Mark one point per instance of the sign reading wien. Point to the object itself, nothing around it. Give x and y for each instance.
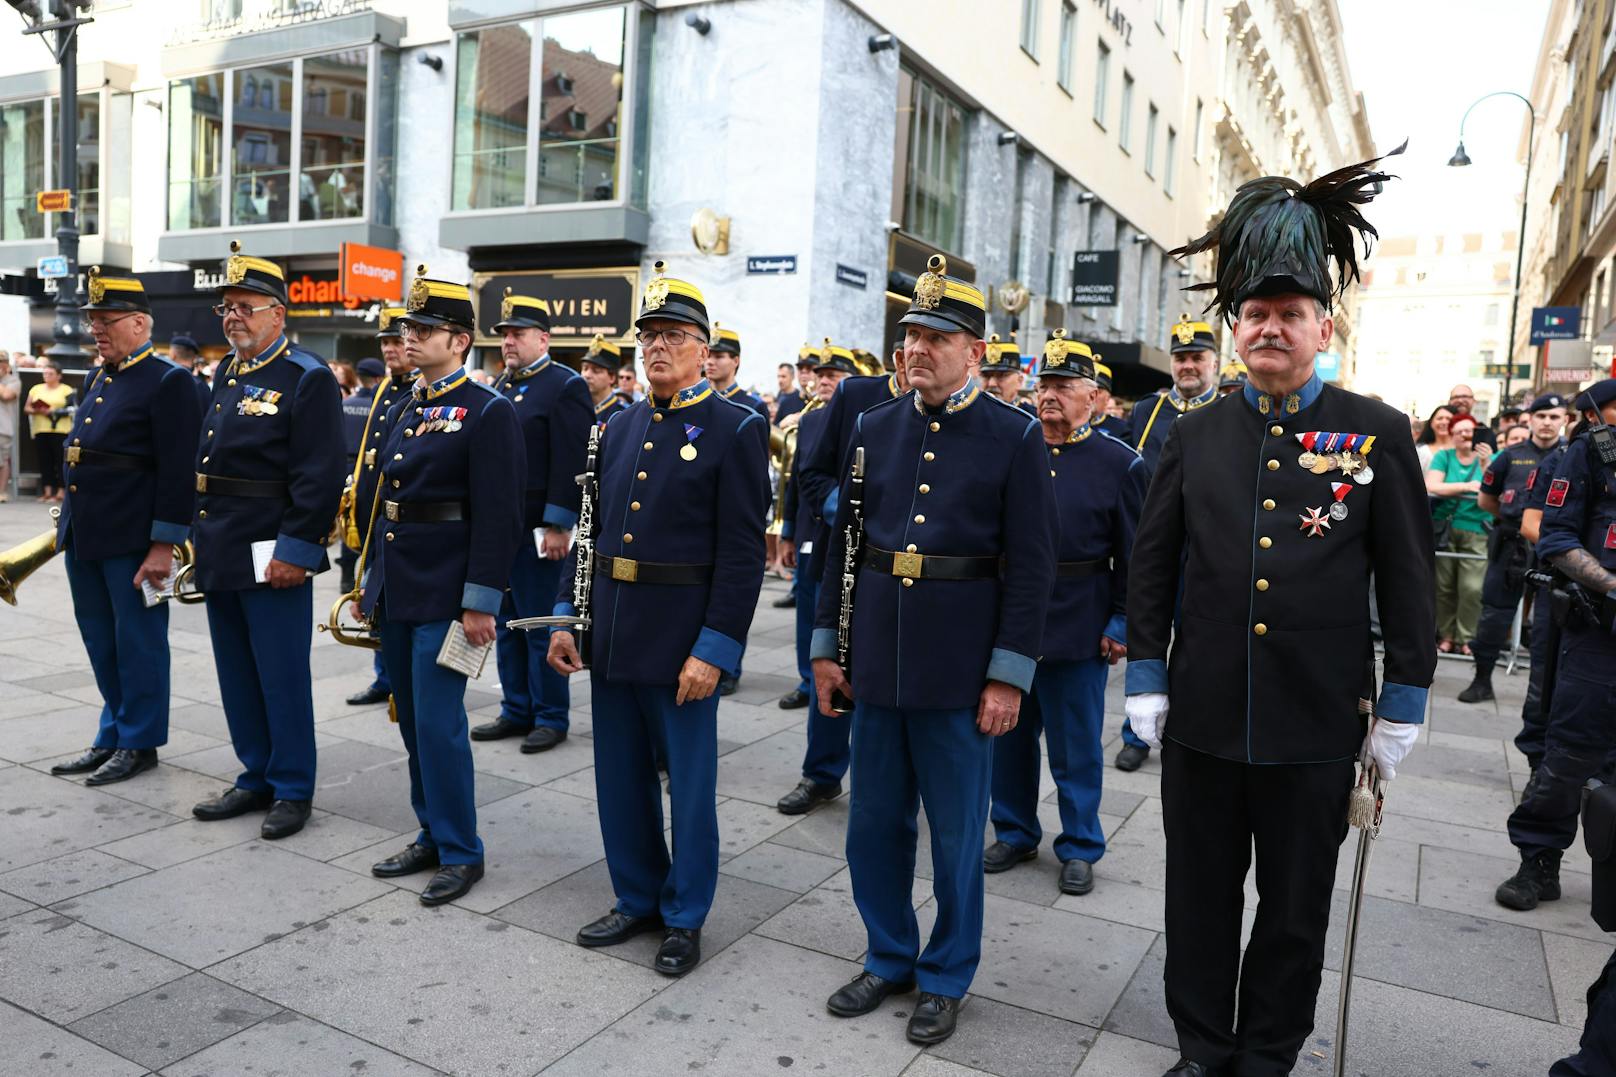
(582, 302)
(1094, 278)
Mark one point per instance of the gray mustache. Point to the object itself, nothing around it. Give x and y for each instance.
(1272, 344)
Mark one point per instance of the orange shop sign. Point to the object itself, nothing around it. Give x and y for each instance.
(371, 272)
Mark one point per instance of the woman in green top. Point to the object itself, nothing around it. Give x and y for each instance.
(1453, 479)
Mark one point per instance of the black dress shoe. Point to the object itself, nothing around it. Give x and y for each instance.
(785, 603)
(542, 739)
(1187, 1068)
(794, 700)
(808, 793)
(233, 802)
(415, 857)
(373, 694)
(285, 818)
(727, 685)
(864, 993)
(1077, 877)
(499, 729)
(451, 881)
(934, 1019)
(1002, 856)
(615, 927)
(680, 951)
(1132, 758)
(90, 760)
(122, 765)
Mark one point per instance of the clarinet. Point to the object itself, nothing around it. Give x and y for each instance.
(852, 549)
(583, 576)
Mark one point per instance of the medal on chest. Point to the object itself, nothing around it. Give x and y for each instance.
(447, 419)
(688, 450)
(256, 400)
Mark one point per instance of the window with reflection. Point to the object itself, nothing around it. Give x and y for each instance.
(493, 70)
(22, 169)
(581, 106)
(89, 160)
(196, 151)
(929, 162)
(332, 185)
(261, 146)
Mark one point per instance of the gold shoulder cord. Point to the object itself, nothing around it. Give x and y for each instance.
(359, 464)
(1160, 399)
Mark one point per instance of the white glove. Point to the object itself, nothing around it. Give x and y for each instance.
(1147, 714)
(1389, 743)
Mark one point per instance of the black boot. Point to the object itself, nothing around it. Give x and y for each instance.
(1480, 689)
(1538, 880)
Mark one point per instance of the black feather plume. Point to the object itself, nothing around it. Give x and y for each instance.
(1281, 236)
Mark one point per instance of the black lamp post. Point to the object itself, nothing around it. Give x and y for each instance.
(1459, 160)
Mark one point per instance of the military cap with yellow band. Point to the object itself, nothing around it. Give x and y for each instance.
(835, 357)
(116, 293)
(1232, 376)
(253, 274)
(671, 299)
(946, 304)
(388, 325)
(439, 302)
(603, 353)
(1191, 336)
(1102, 373)
(1066, 358)
(725, 340)
(1001, 355)
(807, 355)
(522, 312)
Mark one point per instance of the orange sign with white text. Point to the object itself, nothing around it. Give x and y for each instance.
(371, 272)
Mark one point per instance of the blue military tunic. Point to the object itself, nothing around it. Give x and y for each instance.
(736, 395)
(1117, 428)
(803, 517)
(1155, 415)
(608, 407)
(825, 467)
(787, 403)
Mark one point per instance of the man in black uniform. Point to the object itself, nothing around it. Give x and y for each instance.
(1269, 512)
(1503, 493)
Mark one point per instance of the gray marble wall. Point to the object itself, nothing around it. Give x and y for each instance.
(990, 186)
(421, 195)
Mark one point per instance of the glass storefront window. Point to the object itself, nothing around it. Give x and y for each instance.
(493, 70)
(195, 151)
(581, 106)
(930, 161)
(89, 163)
(261, 145)
(383, 150)
(332, 185)
(22, 169)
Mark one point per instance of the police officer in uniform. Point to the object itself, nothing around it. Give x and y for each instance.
(1503, 493)
(1597, 1050)
(1195, 384)
(723, 363)
(1545, 633)
(955, 484)
(1268, 513)
(678, 566)
(804, 534)
(1002, 375)
(130, 490)
(1103, 419)
(1099, 488)
(598, 368)
(268, 480)
(553, 406)
(357, 409)
(1578, 538)
(440, 553)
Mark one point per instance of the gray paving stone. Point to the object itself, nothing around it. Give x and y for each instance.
(221, 763)
(764, 770)
(1133, 853)
(740, 1017)
(62, 969)
(1464, 882)
(933, 1066)
(511, 1001)
(11, 906)
(20, 703)
(205, 718)
(178, 1019)
(50, 881)
(170, 788)
(287, 1045)
(51, 682)
(743, 824)
(747, 723)
(37, 1048)
(47, 817)
(1015, 1042)
(1394, 868)
(531, 839)
(49, 734)
(824, 919)
(220, 904)
(325, 837)
(1574, 964)
(380, 795)
(1489, 769)
(783, 866)
(822, 831)
(1118, 901)
(1114, 1055)
(504, 759)
(1141, 1012)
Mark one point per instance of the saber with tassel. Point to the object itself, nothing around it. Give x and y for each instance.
(1364, 809)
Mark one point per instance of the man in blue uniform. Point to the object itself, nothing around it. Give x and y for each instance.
(723, 364)
(130, 491)
(1578, 538)
(441, 549)
(268, 480)
(1099, 487)
(1232, 378)
(357, 409)
(1101, 418)
(1268, 515)
(1002, 375)
(1504, 494)
(598, 368)
(553, 407)
(678, 563)
(803, 537)
(944, 642)
(789, 401)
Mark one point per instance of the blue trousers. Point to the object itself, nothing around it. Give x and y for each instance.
(1128, 737)
(128, 648)
(261, 643)
(534, 693)
(906, 758)
(1067, 704)
(645, 878)
(827, 756)
(431, 704)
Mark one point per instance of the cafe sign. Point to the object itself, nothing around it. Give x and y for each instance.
(582, 302)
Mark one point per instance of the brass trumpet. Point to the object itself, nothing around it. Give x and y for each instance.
(24, 559)
(361, 634)
(185, 589)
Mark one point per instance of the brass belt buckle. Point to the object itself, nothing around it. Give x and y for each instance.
(907, 565)
(73, 454)
(390, 510)
(201, 483)
(625, 570)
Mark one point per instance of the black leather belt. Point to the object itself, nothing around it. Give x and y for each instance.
(916, 566)
(1069, 569)
(228, 487)
(627, 570)
(425, 512)
(122, 461)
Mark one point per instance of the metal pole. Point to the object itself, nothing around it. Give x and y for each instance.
(69, 335)
(1520, 254)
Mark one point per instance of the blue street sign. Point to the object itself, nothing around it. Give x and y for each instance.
(53, 267)
(1555, 323)
(1327, 365)
(774, 263)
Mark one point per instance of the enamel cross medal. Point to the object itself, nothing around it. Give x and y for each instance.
(1315, 522)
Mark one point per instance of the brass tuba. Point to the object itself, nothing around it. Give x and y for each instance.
(22, 560)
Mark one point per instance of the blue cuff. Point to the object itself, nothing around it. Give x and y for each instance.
(1116, 629)
(564, 609)
(1401, 703)
(822, 644)
(1145, 675)
(556, 516)
(786, 530)
(174, 534)
(482, 599)
(828, 513)
(719, 650)
(1011, 668)
(294, 551)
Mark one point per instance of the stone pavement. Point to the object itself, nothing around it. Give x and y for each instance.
(134, 939)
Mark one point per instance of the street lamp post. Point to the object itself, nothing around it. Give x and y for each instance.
(1461, 159)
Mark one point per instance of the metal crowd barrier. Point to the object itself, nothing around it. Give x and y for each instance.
(1514, 651)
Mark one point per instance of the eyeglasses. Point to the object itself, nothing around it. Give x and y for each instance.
(93, 322)
(241, 310)
(418, 332)
(670, 337)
